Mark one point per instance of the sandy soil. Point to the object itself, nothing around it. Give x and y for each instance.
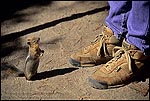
(64, 28)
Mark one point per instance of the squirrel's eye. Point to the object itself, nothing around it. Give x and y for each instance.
(34, 41)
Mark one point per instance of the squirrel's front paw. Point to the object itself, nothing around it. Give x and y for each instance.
(42, 52)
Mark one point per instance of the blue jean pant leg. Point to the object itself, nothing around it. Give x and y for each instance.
(117, 18)
(138, 26)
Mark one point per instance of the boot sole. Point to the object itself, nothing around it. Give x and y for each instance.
(78, 64)
(96, 84)
(74, 62)
(102, 85)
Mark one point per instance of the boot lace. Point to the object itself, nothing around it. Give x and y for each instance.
(101, 38)
(103, 44)
(117, 55)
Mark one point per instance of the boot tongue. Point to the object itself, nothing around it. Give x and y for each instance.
(114, 40)
(134, 52)
(128, 46)
(108, 31)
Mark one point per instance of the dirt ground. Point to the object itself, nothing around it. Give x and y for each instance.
(64, 28)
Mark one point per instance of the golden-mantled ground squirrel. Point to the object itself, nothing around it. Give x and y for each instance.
(33, 58)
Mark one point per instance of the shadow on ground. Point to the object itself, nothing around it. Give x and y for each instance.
(9, 70)
(10, 7)
(11, 42)
(52, 73)
(11, 46)
(15, 35)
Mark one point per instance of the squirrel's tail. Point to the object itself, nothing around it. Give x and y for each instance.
(9, 70)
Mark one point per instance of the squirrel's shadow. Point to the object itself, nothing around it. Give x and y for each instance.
(51, 73)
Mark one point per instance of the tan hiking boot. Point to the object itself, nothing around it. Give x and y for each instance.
(100, 51)
(128, 64)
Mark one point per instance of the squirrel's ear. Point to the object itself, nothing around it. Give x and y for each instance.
(28, 39)
(28, 43)
(38, 39)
